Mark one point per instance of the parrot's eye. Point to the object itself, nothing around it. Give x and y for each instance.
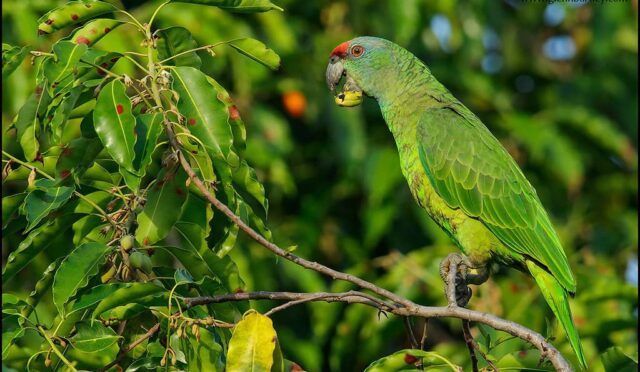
(357, 51)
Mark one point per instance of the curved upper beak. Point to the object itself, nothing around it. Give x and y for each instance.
(335, 72)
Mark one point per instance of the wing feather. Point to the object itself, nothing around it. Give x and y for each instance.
(471, 170)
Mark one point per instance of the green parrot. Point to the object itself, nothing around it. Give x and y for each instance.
(457, 170)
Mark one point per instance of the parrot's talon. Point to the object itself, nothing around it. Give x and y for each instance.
(461, 292)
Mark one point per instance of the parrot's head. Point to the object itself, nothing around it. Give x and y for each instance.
(368, 65)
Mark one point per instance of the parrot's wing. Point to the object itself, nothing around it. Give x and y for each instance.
(470, 170)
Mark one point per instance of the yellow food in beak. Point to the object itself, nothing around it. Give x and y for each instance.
(349, 98)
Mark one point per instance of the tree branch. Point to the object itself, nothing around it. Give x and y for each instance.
(152, 331)
(401, 306)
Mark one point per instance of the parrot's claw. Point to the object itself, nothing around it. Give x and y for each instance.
(462, 293)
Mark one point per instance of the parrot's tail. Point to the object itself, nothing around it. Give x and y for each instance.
(556, 297)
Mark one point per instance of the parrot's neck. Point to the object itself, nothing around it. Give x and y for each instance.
(403, 107)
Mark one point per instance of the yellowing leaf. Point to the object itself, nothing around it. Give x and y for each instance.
(252, 344)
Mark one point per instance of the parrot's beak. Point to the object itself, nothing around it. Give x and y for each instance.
(335, 71)
(351, 94)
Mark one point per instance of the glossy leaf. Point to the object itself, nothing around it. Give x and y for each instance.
(84, 230)
(71, 13)
(237, 6)
(11, 330)
(235, 121)
(114, 123)
(76, 270)
(200, 261)
(148, 129)
(164, 198)
(206, 118)
(122, 296)
(131, 179)
(77, 157)
(12, 57)
(93, 31)
(95, 295)
(205, 352)
(406, 360)
(257, 51)
(177, 40)
(92, 337)
(46, 198)
(61, 113)
(35, 242)
(27, 123)
(615, 360)
(252, 344)
(42, 285)
(246, 179)
(88, 68)
(10, 206)
(61, 70)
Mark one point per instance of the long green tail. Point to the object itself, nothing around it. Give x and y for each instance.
(556, 297)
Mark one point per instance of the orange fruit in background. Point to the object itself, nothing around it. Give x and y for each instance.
(294, 103)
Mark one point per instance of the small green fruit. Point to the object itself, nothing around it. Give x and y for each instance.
(126, 243)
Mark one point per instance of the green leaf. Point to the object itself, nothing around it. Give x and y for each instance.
(95, 295)
(42, 286)
(84, 230)
(27, 122)
(12, 57)
(11, 330)
(405, 360)
(206, 118)
(252, 345)
(45, 199)
(200, 261)
(122, 296)
(237, 6)
(76, 270)
(115, 125)
(88, 71)
(71, 13)
(38, 239)
(257, 51)
(148, 129)
(61, 70)
(164, 199)
(235, 121)
(77, 157)
(62, 111)
(615, 360)
(246, 179)
(92, 337)
(131, 179)
(93, 31)
(10, 205)
(176, 40)
(205, 353)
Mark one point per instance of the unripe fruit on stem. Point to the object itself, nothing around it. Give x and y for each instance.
(141, 261)
(126, 242)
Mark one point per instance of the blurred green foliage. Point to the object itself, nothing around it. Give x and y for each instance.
(556, 83)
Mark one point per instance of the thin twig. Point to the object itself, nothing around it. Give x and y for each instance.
(131, 346)
(412, 337)
(423, 341)
(468, 339)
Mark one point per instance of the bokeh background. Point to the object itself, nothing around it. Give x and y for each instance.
(556, 82)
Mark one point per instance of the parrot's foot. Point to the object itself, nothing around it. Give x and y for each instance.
(454, 272)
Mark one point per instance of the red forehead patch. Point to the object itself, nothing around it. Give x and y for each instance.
(340, 50)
